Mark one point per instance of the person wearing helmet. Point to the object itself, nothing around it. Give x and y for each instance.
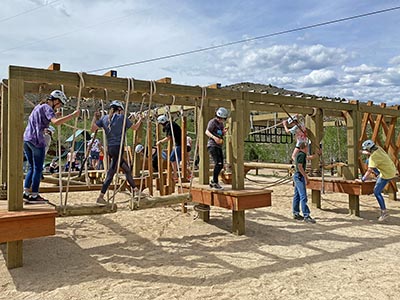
(95, 146)
(35, 143)
(300, 180)
(112, 124)
(380, 160)
(299, 131)
(173, 132)
(216, 131)
(154, 155)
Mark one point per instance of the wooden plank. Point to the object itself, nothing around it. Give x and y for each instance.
(85, 209)
(350, 187)
(26, 224)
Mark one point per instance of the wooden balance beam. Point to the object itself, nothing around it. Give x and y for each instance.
(236, 200)
(353, 188)
(160, 201)
(16, 226)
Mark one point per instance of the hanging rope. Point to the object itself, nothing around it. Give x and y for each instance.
(121, 146)
(203, 97)
(81, 86)
(167, 108)
(60, 182)
(153, 90)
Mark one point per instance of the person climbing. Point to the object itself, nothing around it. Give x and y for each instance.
(299, 130)
(112, 124)
(379, 159)
(216, 131)
(35, 143)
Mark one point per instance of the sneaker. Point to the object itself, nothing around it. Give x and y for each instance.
(36, 200)
(26, 196)
(215, 185)
(309, 220)
(383, 217)
(298, 217)
(100, 201)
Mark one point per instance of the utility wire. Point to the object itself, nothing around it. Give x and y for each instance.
(246, 40)
(67, 33)
(27, 11)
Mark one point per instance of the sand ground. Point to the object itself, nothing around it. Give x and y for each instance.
(162, 253)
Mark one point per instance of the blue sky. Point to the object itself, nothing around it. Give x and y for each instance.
(356, 59)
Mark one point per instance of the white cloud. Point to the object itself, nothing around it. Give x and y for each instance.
(361, 69)
(319, 78)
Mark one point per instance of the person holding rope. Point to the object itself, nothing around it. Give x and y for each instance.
(216, 131)
(300, 179)
(35, 143)
(380, 160)
(299, 130)
(172, 129)
(112, 124)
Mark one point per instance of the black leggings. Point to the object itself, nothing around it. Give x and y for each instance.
(113, 153)
(218, 157)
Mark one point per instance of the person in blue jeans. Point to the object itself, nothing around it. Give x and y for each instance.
(300, 179)
(35, 144)
(380, 160)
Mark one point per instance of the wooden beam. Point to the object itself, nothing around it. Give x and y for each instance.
(161, 201)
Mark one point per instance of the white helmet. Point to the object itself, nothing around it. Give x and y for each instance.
(116, 104)
(162, 119)
(139, 148)
(292, 119)
(368, 145)
(222, 113)
(57, 94)
(52, 129)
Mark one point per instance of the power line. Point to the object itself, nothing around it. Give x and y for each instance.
(246, 40)
(27, 11)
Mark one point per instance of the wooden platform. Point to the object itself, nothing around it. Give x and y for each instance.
(236, 200)
(26, 224)
(339, 185)
(352, 188)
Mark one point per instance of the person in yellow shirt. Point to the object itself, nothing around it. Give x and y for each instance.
(379, 159)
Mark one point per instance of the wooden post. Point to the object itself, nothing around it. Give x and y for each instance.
(54, 67)
(238, 222)
(4, 134)
(315, 126)
(15, 176)
(239, 115)
(353, 132)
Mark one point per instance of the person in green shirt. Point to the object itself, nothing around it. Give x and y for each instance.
(300, 179)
